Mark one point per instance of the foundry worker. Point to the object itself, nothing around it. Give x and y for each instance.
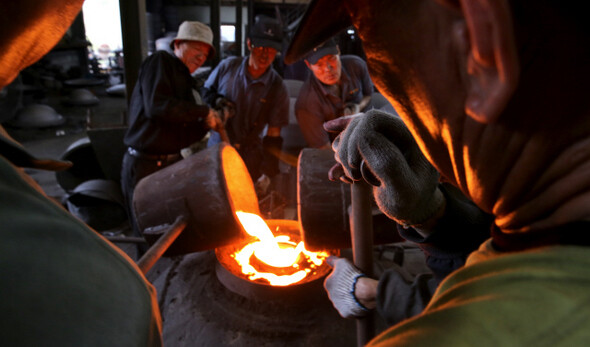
(61, 282)
(166, 113)
(339, 85)
(493, 93)
(401, 294)
(260, 99)
(434, 215)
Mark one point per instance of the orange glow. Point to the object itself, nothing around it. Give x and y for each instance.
(240, 189)
(281, 254)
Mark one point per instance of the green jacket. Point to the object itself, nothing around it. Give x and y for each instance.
(539, 297)
(61, 283)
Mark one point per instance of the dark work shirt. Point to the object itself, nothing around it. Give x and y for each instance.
(259, 102)
(315, 105)
(163, 115)
(462, 229)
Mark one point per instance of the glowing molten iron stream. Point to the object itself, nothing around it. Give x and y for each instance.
(276, 251)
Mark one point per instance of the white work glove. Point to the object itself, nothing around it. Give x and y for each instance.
(341, 285)
(261, 185)
(351, 108)
(226, 107)
(378, 148)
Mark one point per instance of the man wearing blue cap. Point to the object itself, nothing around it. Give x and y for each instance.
(260, 99)
(339, 86)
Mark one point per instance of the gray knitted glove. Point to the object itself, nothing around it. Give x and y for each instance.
(341, 284)
(378, 147)
(226, 107)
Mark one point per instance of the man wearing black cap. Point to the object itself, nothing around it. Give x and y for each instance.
(339, 86)
(260, 99)
(494, 94)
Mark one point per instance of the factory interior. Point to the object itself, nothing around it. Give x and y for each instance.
(294, 173)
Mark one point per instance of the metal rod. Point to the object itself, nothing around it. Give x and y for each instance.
(250, 4)
(215, 23)
(157, 249)
(134, 35)
(361, 230)
(223, 135)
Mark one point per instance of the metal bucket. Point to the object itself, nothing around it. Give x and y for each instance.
(323, 206)
(85, 165)
(207, 188)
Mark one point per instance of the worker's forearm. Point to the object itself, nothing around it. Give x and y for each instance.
(366, 292)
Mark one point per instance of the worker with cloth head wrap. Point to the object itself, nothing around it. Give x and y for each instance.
(493, 92)
(434, 215)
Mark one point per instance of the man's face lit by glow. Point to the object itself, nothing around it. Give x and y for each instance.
(192, 53)
(327, 69)
(261, 57)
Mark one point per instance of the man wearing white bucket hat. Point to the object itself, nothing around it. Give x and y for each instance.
(166, 113)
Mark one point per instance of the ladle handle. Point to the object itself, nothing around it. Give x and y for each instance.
(223, 135)
(361, 230)
(155, 252)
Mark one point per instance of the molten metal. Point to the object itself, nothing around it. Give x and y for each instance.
(281, 254)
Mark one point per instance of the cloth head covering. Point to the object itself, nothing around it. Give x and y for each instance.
(195, 31)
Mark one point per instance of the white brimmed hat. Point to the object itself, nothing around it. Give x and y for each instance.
(195, 31)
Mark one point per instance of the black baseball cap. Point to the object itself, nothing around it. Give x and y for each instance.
(266, 32)
(327, 48)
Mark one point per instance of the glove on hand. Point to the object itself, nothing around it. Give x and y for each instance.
(378, 147)
(226, 107)
(261, 185)
(351, 108)
(340, 285)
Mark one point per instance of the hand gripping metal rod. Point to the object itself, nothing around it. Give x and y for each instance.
(161, 245)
